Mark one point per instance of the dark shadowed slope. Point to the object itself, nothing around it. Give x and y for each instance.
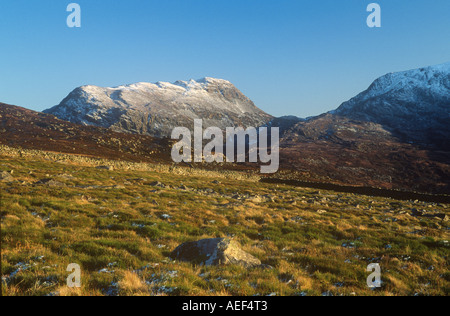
(336, 149)
(27, 129)
(414, 105)
(394, 135)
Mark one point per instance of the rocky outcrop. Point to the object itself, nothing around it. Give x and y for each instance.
(218, 251)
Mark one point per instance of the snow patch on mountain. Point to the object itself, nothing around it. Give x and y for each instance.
(156, 108)
(414, 103)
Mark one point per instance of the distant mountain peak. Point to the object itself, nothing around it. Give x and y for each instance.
(414, 103)
(156, 108)
(433, 77)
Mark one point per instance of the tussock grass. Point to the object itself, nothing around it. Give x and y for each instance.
(121, 229)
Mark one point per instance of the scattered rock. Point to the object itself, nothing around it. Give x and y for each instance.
(418, 213)
(109, 168)
(286, 278)
(51, 183)
(423, 213)
(213, 252)
(157, 184)
(256, 199)
(349, 245)
(65, 176)
(6, 177)
(296, 219)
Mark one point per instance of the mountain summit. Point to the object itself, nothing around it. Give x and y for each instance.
(156, 108)
(394, 135)
(414, 104)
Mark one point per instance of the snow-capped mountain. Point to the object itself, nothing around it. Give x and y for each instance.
(413, 104)
(156, 108)
(394, 135)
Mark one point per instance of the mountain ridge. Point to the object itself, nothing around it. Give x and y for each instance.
(156, 108)
(393, 135)
(414, 104)
(27, 129)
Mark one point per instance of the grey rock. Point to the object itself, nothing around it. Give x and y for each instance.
(6, 177)
(213, 252)
(51, 183)
(109, 168)
(256, 199)
(157, 184)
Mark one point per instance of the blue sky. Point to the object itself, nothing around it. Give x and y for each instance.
(299, 57)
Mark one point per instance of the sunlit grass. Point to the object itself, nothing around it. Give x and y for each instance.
(115, 225)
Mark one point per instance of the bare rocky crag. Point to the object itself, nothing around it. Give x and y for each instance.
(155, 109)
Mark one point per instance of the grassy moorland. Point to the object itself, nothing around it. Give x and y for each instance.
(121, 225)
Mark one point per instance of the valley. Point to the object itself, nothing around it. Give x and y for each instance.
(92, 182)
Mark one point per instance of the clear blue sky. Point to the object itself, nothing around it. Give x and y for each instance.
(299, 57)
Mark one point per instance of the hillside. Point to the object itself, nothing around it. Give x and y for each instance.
(394, 135)
(335, 149)
(155, 109)
(28, 129)
(414, 105)
(122, 225)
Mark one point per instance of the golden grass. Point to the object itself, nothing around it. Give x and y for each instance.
(122, 242)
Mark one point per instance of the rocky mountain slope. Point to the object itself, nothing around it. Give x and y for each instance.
(414, 105)
(28, 129)
(336, 149)
(155, 109)
(394, 135)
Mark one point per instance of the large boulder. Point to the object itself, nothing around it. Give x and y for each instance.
(212, 252)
